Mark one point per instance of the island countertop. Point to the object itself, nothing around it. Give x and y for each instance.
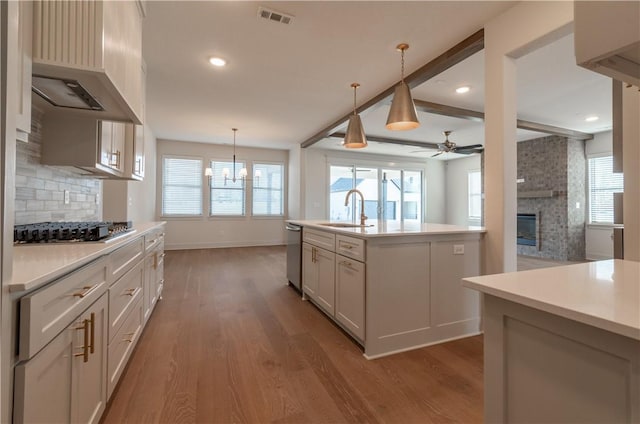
(389, 228)
(38, 263)
(603, 294)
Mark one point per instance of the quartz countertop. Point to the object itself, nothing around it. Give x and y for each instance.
(603, 294)
(38, 263)
(389, 228)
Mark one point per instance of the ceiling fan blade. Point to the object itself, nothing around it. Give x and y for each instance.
(470, 146)
(469, 151)
(437, 154)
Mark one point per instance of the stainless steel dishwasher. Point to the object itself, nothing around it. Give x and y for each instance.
(294, 255)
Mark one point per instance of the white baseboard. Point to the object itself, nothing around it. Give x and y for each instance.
(217, 245)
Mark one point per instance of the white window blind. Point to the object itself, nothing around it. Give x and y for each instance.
(227, 196)
(268, 189)
(475, 197)
(602, 184)
(181, 186)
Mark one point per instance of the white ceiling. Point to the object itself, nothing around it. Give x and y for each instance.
(284, 83)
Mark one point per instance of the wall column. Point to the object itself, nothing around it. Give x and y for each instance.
(520, 30)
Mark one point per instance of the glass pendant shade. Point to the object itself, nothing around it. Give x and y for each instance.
(402, 114)
(355, 138)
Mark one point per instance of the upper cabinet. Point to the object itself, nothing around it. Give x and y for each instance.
(25, 30)
(607, 38)
(87, 55)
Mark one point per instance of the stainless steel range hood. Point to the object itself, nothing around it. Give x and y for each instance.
(67, 93)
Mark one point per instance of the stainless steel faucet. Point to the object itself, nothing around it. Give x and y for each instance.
(363, 217)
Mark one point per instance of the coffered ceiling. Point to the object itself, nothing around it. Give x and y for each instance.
(284, 83)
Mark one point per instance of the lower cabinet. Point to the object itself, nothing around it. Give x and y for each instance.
(350, 277)
(336, 282)
(66, 380)
(153, 278)
(318, 274)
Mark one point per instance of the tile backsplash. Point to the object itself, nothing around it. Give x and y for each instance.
(40, 188)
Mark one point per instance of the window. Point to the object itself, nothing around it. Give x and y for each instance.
(181, 186)
(475, 197)
(268, 189)
(227, 196)
(602, 184)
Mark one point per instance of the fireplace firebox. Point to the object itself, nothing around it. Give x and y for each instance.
(527, 231)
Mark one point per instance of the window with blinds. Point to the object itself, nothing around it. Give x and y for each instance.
(474, 186)
(603, 182)
(181, 186)
(227, 196)
(268, 187)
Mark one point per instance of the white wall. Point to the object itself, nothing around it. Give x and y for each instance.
(296, 182)
(599, 244)
(316, 185)
(457, 187)
(206, 232)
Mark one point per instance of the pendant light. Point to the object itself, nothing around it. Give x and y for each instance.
(402, 114)
(355, 137)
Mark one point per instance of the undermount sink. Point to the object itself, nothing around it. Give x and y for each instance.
(344, 225)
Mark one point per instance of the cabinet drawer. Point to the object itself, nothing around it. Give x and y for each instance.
(46, 312)
(123, 259)
(122, 345)
(319, 238)
(153, 238)
(123, 295)
(350, 247)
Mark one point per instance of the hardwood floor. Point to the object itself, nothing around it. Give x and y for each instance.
(230, 342)
(526, 263)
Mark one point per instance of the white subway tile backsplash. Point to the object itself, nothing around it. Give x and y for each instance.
(40, 188)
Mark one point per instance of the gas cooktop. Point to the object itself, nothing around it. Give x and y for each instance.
(57, 232)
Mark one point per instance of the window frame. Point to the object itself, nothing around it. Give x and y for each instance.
(282, 188)
(240, 163)
(162, 188)
(589, 222)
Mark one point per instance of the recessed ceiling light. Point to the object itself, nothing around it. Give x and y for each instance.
(463, 89)
(591, 118)
(217, 61)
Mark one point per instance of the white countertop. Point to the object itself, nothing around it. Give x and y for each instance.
(390, 228)
(38, 263)
(603, 294)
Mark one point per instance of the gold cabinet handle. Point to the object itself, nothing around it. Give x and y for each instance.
(87, 290)
(346, 263)
(85, 347)
(129, 337)
(93, 332)
(347, 246)
(131, 292)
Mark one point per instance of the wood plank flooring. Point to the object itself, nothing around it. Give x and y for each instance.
(231, 343)
(526, 263)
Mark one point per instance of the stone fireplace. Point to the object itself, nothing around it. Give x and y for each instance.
(552, 187)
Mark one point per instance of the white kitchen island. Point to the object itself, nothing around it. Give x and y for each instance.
(394, 286)
(562, 344)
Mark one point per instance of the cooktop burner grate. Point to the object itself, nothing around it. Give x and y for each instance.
(53, 232)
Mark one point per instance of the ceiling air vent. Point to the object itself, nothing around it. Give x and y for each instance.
(272, 15)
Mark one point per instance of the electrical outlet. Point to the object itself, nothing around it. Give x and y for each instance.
(458, 249)
(67, 197)
(97, 199)
(577, 205)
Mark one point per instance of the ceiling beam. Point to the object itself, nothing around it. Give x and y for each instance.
(392, 141)
(451, 57)
(473, 115)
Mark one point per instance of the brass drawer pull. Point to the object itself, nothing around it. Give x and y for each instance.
(93, 332)
(85, 347)
(131, 292)
(346, 263)
(87, 290)
(131, 337)
(347, 246)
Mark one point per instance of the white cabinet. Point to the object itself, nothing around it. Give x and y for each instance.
(25, 29)
(99, 45)
(318, 280)
(66, 381)
(154, 272)
(350, 278)
(335, 282)
(111, 139)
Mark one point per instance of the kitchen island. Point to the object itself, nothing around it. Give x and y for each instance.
(393, 286)
(562, 344)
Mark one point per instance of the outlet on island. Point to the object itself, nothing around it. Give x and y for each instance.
(458, 249)
(67, 197)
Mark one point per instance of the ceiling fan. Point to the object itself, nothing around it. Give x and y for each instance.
(449, 146)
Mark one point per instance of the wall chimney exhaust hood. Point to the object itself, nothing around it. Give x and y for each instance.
(607, 38)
